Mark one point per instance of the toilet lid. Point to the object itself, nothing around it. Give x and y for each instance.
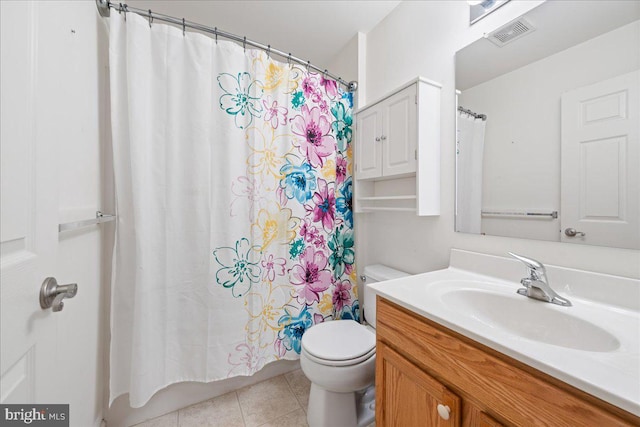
(339, 340)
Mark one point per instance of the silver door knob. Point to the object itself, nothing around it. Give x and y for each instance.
(52, 294)
(383, 137)
(572, 232)
(377, 139)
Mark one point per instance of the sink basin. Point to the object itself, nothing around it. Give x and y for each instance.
(593, 345)
(528, 318)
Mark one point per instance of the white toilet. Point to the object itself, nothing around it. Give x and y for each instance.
(339, 358)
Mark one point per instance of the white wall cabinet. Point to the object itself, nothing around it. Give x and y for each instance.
(387, 136)
(397, 151)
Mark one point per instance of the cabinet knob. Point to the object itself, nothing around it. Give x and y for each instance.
(383, 137)
(377, 139)
(444, 411)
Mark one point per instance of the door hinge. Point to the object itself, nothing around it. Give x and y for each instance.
(415, 154)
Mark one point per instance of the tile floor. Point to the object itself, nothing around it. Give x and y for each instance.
(278, 402)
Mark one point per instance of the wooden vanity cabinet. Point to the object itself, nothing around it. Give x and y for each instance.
(421, 364)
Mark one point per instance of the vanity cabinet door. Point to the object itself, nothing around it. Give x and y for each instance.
(406, 396)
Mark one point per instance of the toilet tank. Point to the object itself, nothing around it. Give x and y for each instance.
(372, 274)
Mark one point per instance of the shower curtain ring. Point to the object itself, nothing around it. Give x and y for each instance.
(289, 59)
(215, 31)
(184, 28)
(244, 44)
(324, 75)
(308, 64)
(150, 18)
(269, 51)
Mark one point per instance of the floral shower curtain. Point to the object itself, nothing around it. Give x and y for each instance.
(233, 188)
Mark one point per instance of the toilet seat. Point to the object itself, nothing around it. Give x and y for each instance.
(339, 343)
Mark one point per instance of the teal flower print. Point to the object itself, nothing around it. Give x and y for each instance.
(342, 125)
(298, 181)
(342, 255)
(238, 272)
(298, 100)
(293, 328)
(296, 248)
(241, 98)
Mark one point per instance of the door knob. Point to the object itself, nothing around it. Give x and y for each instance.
(572, 232)
(377, 139)
(52, 294)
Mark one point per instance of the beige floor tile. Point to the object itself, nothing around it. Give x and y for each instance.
(266, 401)
(297, 418)
(300, 386)
(222, 411)
(168, 420)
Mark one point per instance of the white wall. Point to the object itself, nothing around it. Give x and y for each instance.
(421, 38)
(523, 129)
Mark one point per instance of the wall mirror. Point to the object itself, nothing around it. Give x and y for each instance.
(547, 126)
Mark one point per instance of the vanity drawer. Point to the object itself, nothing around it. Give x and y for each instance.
(504, 388)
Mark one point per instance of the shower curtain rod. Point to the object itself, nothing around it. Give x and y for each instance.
(105, 6)
(472, 114)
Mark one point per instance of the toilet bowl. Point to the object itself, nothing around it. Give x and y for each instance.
(338, 357)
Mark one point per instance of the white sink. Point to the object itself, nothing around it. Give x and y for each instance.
(593, 345)
(525, 317)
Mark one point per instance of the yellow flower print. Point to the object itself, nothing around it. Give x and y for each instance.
(264, 309)
(325, 305)
(274, 224)
(267, 155)
(275, 74)
(329, 170)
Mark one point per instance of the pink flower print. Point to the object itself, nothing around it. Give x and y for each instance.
(341, 295)
(325, 205)
(318, 318)
(324, 107)
(314, 128)
(308, 231)
(309, 85)
(248, 357)
(273, 266)
(273, 113)
(330, 86)
(320, 241)
(278, 347)
(341, 169)
(310, 277)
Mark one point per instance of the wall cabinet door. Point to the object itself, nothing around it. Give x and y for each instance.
(369, 144)
(400, 133)
(407, 396)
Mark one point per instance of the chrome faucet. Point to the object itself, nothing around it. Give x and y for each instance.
(537, 285)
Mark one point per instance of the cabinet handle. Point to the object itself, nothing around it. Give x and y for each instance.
(377, 139)
(444, 411)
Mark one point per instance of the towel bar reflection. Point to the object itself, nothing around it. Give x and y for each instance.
(553, 214)
(99, 219)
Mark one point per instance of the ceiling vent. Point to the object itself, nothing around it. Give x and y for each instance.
(510, 32)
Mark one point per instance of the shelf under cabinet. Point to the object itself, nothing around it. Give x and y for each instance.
(379, 198)
(389, 209)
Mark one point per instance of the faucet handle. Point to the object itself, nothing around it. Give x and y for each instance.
(531, 263)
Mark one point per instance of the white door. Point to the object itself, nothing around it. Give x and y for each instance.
(369, 144)
(28, 227)
(600, 153)
(400, 133)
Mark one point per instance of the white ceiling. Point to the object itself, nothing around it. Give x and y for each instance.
(559, 26)
(309, 29)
